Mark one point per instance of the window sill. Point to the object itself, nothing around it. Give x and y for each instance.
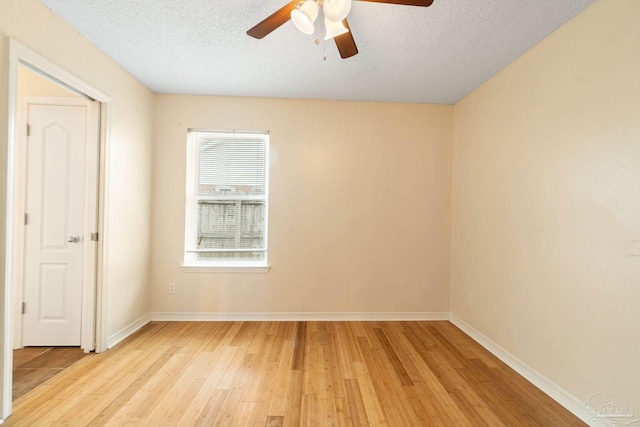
(256, 269)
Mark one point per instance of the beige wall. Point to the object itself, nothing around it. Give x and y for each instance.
(35, 26)
(546, 205)
(359, 214)
(31, 83)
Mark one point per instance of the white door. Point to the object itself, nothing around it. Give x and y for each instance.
(54, 225)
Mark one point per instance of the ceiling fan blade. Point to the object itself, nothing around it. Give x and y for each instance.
(423, 3)
(346, 44)
(278, 18)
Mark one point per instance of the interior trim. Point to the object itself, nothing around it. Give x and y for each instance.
(299, 316)
(127, 331)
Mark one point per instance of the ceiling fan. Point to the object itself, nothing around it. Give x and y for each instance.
(303, 13)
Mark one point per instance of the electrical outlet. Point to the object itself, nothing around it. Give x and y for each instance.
(172, 287)
(470, 299)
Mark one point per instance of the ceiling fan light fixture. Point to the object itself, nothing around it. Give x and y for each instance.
(305, 16)
(336, 10)
(334, 29)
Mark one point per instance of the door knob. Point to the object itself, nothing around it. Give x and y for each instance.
(74, 239)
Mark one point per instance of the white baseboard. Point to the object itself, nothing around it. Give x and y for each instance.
(570, 402)
(127, 330)
(286, 316)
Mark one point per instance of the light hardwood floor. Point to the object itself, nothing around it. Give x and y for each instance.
(34, 365)
(291, 374)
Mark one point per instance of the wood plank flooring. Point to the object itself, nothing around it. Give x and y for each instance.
(33, 366)
(292, 374)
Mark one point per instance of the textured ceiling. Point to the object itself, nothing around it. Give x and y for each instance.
(407, 54)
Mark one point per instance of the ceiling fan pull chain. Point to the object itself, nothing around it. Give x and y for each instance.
(321, 29)
(317, 29)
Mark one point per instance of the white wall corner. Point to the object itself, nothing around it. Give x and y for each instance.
(127, 330)
(564, 398)
(293, 316)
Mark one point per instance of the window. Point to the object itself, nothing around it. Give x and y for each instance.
(227, 199)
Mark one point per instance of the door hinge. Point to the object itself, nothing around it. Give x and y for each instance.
(26, 219)
(24, 307)
(94, 237)
(28, 129)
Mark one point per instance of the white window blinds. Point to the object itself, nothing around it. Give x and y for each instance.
(231, 166)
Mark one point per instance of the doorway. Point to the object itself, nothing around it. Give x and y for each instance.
(55, 182)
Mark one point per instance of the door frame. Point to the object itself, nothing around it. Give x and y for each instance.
(21, 55)
(90, 214)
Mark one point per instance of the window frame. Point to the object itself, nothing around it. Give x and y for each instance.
(191, 222)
